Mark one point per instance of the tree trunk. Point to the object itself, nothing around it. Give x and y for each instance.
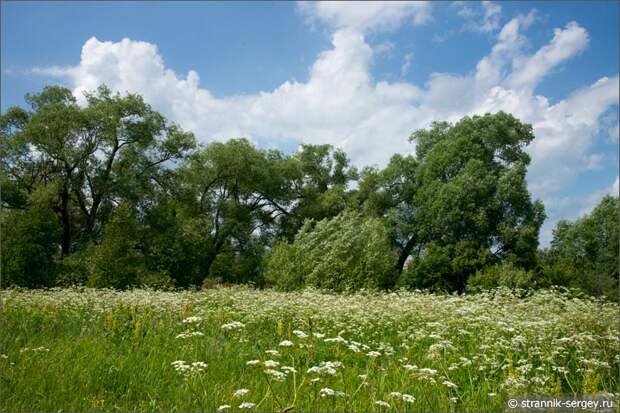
(404, 253)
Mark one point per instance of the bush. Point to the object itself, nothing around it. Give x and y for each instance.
(116, 263)
(346, 253)
(29, 247)
(504, 275)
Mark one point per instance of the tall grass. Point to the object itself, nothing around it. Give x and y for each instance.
(101, 350)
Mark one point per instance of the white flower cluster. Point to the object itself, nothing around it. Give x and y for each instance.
(326, 391)
(240, 392)
(300, 334)
(233, 325)
(327, 367)
(192, 320)
(190, 334)
(189, 369)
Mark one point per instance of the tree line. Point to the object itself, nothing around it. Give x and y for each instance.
(111, 194)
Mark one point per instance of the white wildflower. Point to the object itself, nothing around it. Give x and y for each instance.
(233, 325)
(247, 405)
(407, 398)
(286, 343)
(240, 392)
(300, 334)
(271, 363)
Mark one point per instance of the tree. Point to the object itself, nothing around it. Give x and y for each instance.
(29, 247)
(584, 253)
(345, 253)
(389, 193)
(469, 206)
(317, 179)
(112, 148)
(230, 198)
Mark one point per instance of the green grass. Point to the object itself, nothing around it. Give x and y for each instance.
(100, 350)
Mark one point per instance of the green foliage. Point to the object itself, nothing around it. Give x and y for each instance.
(472, 206)
(29, 248)
(504, 275)
(130, 200)
(116, 262)
(344, 253)
(584, 254)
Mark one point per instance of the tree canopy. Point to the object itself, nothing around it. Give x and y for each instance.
(110, 193)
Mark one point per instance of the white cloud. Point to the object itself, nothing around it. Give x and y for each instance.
(485, 19)
(404, 69)
(343, 105)
(366, 15)
(566, 43)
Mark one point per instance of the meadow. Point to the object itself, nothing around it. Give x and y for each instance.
(240, 349)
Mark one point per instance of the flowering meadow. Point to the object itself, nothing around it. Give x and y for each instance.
(240, 349)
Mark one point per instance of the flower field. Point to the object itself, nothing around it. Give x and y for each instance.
(239, 349)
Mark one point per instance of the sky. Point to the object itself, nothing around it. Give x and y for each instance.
(359, 76)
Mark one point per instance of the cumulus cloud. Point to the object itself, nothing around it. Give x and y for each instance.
(343, 105)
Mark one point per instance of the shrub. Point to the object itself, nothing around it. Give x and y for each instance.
(345, 253)
(29, 247)
(504, 275)
(116, 262)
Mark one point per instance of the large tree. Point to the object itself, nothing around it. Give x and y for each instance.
(89, 157)
(461, 204)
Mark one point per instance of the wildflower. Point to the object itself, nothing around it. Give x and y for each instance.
(373, 354)
(492, 394)
(382, 403)
(233, 325)
(450, 385)
(286, 343)
(318, 335)
(252, 362)
(273, 352)
(275, 374)
(223, 407)
(192, 320)
(326, 391)
(396, 394)
(300, 334)
(335, 340)
(410, 367)
(289, 369)
(354, 348)
(271, 363)
(189, 334)
(240, 392)
(247, 405)
(407, 398)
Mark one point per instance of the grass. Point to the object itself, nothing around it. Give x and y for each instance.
(102, 350)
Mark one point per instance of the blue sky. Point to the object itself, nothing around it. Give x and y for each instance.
(358, 76)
